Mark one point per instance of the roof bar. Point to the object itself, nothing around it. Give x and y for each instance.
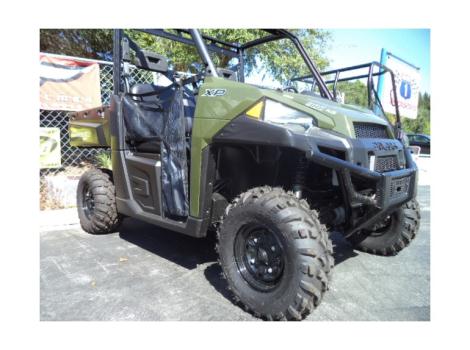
(259, 41)
(211, 46)
(215, 40)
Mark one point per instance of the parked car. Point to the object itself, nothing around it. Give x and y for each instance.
(421, 140)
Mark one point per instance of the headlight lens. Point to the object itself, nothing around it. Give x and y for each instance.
(279, 114)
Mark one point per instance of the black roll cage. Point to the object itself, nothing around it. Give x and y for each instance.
(371, 91)
(205, 43)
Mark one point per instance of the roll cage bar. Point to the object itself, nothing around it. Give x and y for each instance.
(372, 94)
(205, 43)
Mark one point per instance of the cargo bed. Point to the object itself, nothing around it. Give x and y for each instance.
(90, 128)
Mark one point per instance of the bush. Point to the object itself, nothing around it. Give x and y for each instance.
(103, 160)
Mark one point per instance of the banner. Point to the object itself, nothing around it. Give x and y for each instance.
(407, 81)
(68, 85)
(49, 145)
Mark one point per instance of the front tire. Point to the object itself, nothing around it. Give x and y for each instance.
(96, 203)
(274, 253)
(392, 235)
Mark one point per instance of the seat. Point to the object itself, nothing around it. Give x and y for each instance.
(164, 95)
(144, 115)
(225, 73)
(140, 89)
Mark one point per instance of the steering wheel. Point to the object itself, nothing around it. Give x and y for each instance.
(194, 81)
(291, 88)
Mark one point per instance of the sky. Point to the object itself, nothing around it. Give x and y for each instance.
(355, 46)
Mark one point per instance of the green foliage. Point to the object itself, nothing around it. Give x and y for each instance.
(422, 124)
(103, 160)
(278, 58)
(355, 93)
(392, 118)
(88, 43)
(180, 55)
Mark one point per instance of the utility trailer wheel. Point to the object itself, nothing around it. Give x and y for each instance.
(275, 254)
(96, 203)
(391, 235)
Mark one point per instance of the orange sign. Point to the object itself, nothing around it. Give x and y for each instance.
(68, 85)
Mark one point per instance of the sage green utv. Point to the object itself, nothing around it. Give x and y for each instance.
(273, 171)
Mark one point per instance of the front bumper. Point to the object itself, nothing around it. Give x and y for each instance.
(391, 188)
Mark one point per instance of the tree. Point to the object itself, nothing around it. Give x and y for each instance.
(355, 93)
(276, 58)
(422, 124)
(88, 43)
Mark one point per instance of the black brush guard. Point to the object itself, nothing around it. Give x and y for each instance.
(392, 189)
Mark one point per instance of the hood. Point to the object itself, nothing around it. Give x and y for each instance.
(330, 114)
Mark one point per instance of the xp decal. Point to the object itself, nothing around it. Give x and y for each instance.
(215, 92)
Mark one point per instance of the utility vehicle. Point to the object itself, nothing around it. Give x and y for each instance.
(273, 171)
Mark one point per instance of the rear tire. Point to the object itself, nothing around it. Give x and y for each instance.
(96, 203)
(274, 253)
(400, 229)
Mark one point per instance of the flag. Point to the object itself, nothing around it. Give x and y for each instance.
(68, 85)
(407, 82)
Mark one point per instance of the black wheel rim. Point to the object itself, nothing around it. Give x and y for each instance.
(88, 204)
(260, 257)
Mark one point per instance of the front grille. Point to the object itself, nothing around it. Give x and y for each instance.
(370, 131)
(386, 163)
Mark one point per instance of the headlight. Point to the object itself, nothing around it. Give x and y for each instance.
(279, 114)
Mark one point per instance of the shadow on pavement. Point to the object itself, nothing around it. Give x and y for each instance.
(180, 249)
(342, 250)
(189, 252)
(213, 274)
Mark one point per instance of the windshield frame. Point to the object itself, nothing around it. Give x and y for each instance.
(278, 34)
(205, 44)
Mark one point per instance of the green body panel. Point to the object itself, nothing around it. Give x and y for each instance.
(330, 114)
(300, 102)
(90, 128)
(215, 111)
(92, 133)
(212, 114)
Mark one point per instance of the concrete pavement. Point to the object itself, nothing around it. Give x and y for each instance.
(146, 273)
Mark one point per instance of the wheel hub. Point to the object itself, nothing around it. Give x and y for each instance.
(259, 256)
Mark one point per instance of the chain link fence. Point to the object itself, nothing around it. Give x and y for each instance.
(76, 160)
